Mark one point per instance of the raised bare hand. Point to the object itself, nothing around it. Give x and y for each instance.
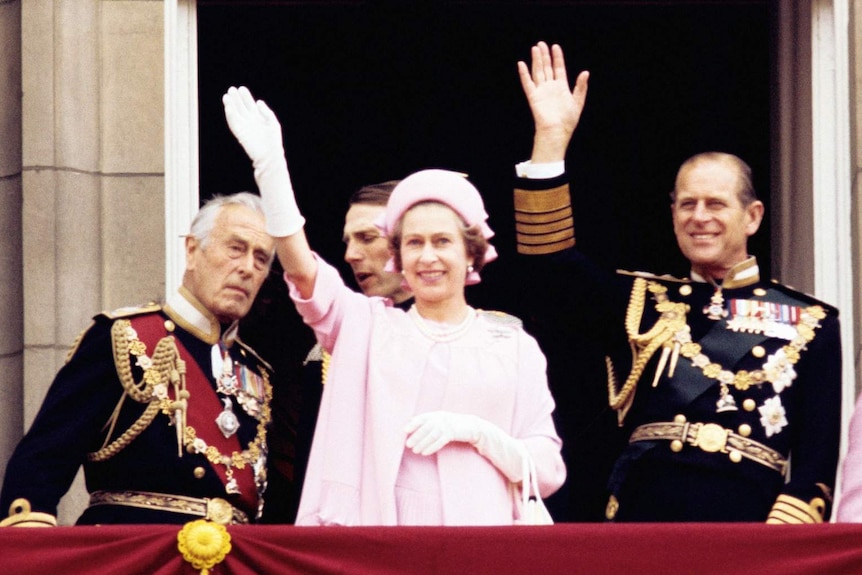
(556, 108)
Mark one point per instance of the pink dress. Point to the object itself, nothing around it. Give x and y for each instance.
(386, 368)
(850, 504)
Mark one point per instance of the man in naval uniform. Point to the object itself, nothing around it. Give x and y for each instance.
(163, 405)
(727, 386)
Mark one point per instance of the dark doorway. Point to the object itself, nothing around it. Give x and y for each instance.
(371, 91)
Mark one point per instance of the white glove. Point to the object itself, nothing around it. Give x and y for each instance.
(256, 128)
(428, 433)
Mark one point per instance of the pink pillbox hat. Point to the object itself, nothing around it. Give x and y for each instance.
(449, 188)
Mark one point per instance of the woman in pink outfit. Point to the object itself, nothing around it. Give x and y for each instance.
(430, 416)
(849, 508)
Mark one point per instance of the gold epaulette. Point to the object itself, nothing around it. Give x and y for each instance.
(804, 297)
(250, 351)
(132, 311)
(500, 317)
(21, 516)
(652, 276)
(791, 510)
(112, 315)
(543, 221)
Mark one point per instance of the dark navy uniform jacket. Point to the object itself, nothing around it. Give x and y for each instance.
(71, 424)
(798, 416)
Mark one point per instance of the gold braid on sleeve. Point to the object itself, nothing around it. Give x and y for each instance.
(544, 223)
(165, 367)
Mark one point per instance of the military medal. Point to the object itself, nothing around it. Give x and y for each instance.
(227, 421)
(726, 402)
(227, 382)
(239, 381)
(768, 318)
(715, 310)
(231, 487)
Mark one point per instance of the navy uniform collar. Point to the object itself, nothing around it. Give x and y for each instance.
(743, 274)
(190, 314)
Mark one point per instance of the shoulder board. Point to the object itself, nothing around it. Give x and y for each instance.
(131, 311)
(804, 298)
(262, 362)
(500, 318)
(652, 276)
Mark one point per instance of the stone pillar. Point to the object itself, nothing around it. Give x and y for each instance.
(11, 304)
(93, 181)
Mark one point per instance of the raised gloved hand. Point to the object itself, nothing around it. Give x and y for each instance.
(428, 433)
(258, 131)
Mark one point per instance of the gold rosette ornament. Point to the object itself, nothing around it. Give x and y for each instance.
(203, 544)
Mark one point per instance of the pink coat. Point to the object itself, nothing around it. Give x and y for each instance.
(850, 504)
(496, 371)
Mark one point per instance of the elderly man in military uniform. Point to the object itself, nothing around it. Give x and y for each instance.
(727, 386)
(163, 405)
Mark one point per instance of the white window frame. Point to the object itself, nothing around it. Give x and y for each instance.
(182, 195)
(832, 187)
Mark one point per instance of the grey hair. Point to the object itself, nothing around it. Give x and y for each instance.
(745, 192)
(204, 220)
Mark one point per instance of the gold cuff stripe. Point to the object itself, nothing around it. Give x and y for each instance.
(533, 240)
(543, 221)
(545, 249)
(542, 201)
(563, 214)
(550, 227)
(790, 510)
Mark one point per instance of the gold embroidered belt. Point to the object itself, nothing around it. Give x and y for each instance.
(215, 509)
(711, 438)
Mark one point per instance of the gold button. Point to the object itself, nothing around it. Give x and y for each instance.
(759, 292)
(676, 445)
(199, 472)
(758, 351)
(680, 418)
(749, 404)
(169, 325)
(685, 290)
(745, 430)
(735, 456)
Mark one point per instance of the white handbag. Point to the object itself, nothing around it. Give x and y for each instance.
(532, 508)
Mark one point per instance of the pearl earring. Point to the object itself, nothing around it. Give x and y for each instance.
(469, 269)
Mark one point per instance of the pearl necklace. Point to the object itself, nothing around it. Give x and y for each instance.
(441, 332)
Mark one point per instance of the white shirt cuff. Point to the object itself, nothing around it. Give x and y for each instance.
(543, 171)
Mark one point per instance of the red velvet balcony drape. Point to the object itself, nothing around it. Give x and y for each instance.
(644, 549)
